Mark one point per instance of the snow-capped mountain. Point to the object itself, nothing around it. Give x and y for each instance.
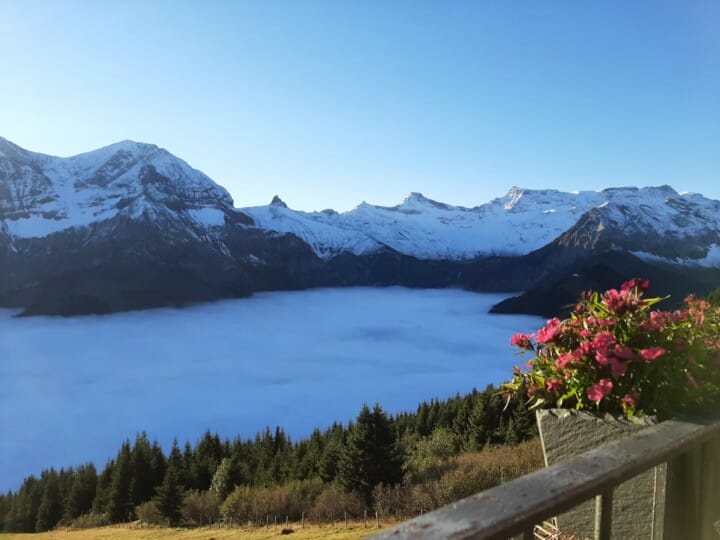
(41, 195)
(131, 225)
(521, 222)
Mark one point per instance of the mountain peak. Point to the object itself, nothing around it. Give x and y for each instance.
(416, 201)
(133, 148)
(277, 201)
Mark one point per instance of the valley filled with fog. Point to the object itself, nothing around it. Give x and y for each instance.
(74, 388)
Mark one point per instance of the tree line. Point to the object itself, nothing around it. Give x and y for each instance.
(359, 465)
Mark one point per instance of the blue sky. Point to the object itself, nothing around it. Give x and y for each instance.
(329, 103)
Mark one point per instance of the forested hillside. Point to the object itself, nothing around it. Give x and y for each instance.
(394, 465)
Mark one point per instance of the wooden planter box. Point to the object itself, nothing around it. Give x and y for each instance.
(638, 504)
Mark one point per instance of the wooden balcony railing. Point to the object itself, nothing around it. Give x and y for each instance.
(691, 504)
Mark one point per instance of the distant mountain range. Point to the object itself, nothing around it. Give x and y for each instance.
(131, 226)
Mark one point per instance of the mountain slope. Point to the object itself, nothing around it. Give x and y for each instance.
(655, 222)
(131, 226)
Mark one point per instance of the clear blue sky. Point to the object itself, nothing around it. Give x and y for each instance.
(328, 103)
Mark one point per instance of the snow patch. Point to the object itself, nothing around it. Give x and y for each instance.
(208, 217)
(711, 259)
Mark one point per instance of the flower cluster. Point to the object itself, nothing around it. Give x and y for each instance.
(616, 353)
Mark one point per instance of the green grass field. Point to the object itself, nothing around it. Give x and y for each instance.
(130, 532)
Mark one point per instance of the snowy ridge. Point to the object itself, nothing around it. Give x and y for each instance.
(520, 222)
(41, 195)
(424, 228)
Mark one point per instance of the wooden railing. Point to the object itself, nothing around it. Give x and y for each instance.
(692, 499)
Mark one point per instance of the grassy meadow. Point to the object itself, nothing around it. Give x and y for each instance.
(130, 532)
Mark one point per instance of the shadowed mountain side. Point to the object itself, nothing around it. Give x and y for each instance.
(603, 271)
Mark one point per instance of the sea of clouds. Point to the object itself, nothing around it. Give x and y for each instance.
(72, 389)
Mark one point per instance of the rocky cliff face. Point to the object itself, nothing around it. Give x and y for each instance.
(131, 226)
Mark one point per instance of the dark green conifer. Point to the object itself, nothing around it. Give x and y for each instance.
(82, 492)
(119, 501)
(142, 486)
(369, 456)
(169, 497)
(50, 510)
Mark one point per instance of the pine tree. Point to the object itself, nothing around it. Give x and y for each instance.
(119, 503)
(23, 512)
(308, 454)
(477, 431)
(169, 497)
(82, 492)
(51, 509)
(422, 425)
(206, 458)
(523, 427)
(157, 464)
(186, 467)
(102, 492)
(330, 459)
(222, 479)
(369, 456)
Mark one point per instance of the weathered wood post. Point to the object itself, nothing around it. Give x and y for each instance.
(634, 511)
(377, 520)
(302, 520)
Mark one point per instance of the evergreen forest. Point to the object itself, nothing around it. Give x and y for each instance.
(394, 465)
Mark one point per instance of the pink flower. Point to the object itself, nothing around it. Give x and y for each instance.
(617, 367)
(629, 400)
(616, 300)
(603, 342)
(636, 283)
(554, 385)
(598, 391)
(652, 353)
(658, 321)
(626, 353)
(548, 332)
(602, 359)
(564, 360)
(522, 341)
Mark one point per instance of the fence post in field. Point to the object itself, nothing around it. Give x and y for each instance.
(303, 520)
(346, 519)
(287, 521)
(377, 520)
(267, 520)
(365, 518)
